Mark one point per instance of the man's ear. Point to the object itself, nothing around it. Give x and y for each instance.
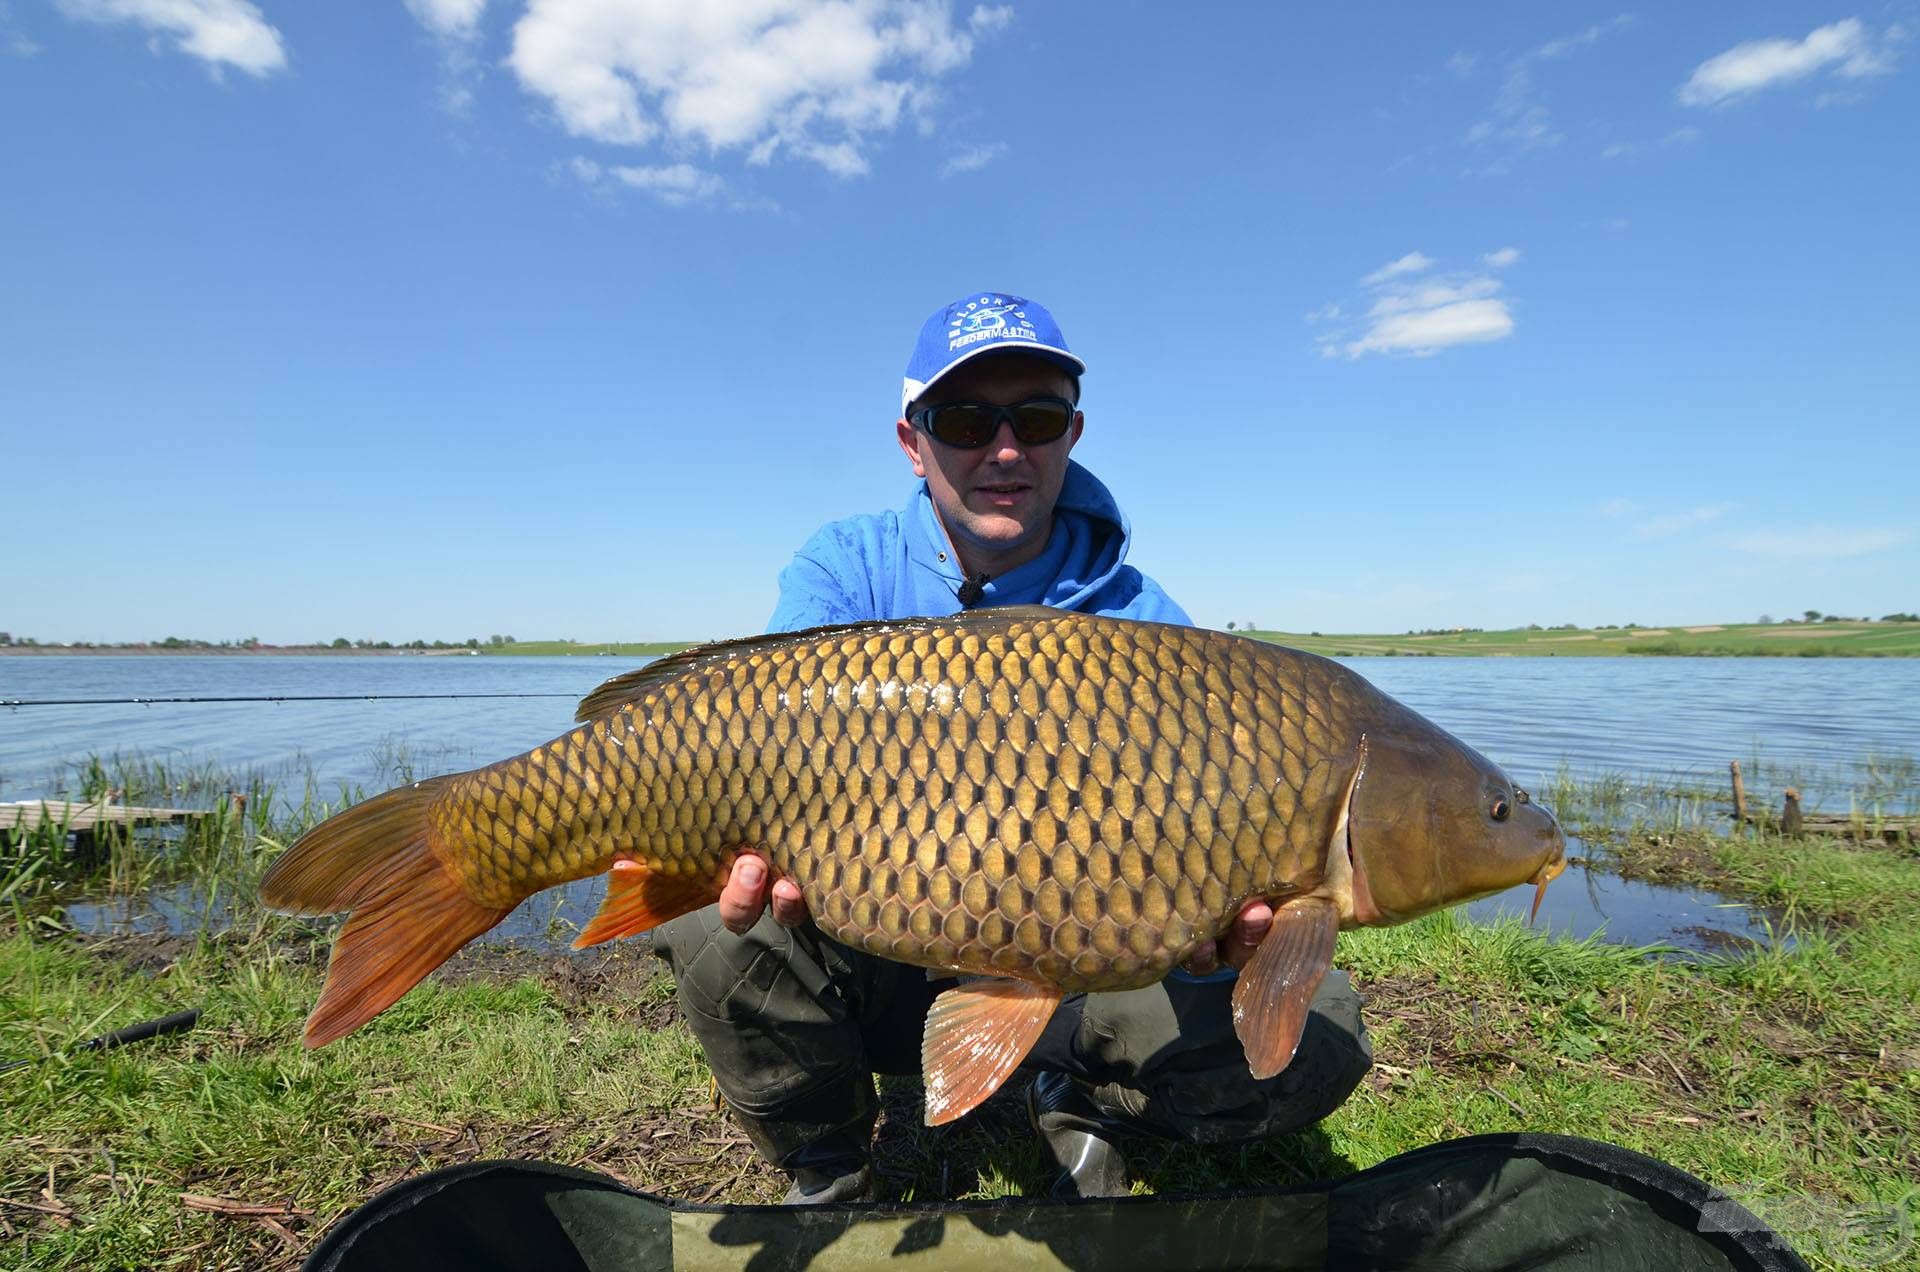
(1079, 426)
(910, 443)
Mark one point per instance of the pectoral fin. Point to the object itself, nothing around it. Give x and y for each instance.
(976, 1036)
(1277, 985)
(640, 899)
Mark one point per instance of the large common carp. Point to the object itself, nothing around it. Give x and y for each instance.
(1053, 801)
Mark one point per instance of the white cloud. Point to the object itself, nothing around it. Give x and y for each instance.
(456, 25)
(1681, 137)
(1462, 63)
(674, 184)
(18, 44)
(1618, 150)
(972, 158)
(1843, 47)
(1819, 541)
(1433, 296)
(1429, 331)
(1580, 40)
(1666, 525)
(218, 32)
(1645, 524)
(818, 79)
(449, 19)
(1519, 121)
(1411, 263)
(989, 18)
(1409, 310)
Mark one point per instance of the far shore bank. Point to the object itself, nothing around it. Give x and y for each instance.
(1830, 638)
(195, 651)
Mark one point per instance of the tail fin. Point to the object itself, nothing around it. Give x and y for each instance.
(410, 913)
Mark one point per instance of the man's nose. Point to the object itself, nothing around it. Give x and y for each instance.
(1005, 448)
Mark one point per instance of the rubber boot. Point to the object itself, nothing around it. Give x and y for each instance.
(823, 1141)
(1076, 1139)
(834, 1177)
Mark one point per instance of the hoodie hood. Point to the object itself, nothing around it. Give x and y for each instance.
(898, 564)
(1085, 553)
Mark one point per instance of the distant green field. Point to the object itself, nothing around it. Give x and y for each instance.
(1805, 640)
(615, 648)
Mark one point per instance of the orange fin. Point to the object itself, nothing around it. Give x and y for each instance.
(410, 913)
(976, 1036)
(640, 898)
(1277, 985)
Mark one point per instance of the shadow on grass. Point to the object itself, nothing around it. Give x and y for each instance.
(994, 1153)
(987, 1175)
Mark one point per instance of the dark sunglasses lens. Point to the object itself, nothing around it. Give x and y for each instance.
(970, 425)
(1037, 422)
(964, 424)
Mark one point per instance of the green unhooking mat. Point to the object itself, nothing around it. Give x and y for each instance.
(1538, 1202)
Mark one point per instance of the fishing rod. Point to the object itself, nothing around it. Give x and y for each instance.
(179, 1022)
(277, 697)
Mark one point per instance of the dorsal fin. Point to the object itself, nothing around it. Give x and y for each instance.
(629, 686)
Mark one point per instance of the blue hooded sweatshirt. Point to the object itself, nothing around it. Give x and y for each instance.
(899, 565)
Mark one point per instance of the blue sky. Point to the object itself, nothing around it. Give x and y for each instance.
(575, 317)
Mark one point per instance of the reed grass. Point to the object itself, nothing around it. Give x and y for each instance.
(1789, 1076)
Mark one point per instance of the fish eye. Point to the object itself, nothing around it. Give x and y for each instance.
(1500, 809)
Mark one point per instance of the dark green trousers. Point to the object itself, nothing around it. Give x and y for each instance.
(795, 1025)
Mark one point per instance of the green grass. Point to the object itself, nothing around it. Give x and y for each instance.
(1837, 639)
(619, 648)
(1790, 1077)
(1807, 640)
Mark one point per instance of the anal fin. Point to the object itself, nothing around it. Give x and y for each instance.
(640, 898)
(977, 1035)
(1277, 985)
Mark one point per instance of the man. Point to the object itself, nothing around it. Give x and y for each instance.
(794, 1024)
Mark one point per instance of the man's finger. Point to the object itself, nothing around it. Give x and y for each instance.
(1204, 960)
(789, 906)
(745, 895)
(1250, 927)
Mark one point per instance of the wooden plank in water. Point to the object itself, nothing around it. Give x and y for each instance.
(28, 814)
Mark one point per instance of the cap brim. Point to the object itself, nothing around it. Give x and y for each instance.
(1059, 357)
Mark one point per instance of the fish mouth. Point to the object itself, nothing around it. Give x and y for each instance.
(1552, 869)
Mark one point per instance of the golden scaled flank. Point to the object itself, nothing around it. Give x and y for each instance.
(1012, 800)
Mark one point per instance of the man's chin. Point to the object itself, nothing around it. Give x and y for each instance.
(997, 534)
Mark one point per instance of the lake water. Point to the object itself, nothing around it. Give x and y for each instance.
(1808, 722)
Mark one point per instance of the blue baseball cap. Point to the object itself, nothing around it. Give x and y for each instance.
(980, 323)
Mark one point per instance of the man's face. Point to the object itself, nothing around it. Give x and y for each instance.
(995, 502)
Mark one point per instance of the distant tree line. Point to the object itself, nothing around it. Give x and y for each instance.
(1815, 616)
(8, 639)
(471, 642)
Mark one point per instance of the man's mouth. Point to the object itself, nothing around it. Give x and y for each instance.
(1003, 491)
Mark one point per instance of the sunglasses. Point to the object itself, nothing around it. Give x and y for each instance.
(971, 425)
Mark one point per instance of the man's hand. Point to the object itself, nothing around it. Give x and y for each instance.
(746, 894)
(1238, 945)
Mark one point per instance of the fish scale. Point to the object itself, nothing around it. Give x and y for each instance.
(1058, 801)
(1076, 801)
